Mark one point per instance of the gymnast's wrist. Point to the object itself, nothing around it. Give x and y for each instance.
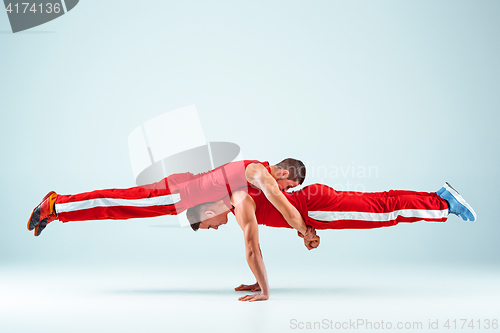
(310, 233)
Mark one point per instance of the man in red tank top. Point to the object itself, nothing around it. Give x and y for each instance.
(324, 208)
(176, 193)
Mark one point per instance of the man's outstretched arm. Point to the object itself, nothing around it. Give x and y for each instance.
(258, 175)
(245, 215)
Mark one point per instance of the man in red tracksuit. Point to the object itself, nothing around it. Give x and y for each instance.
(176, 193)
(324, 208)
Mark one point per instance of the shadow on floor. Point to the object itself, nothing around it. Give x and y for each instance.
(274, 291)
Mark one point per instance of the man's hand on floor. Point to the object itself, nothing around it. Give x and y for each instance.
(254, 297)
(252, 287)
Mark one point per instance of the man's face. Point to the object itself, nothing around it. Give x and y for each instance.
(214, 222)
(285, 184)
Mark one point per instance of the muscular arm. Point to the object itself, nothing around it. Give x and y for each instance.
(258, 175)
(245, 215)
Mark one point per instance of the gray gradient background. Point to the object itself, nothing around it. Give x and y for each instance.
(411, 88)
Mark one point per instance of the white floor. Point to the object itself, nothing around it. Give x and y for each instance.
(147, 299)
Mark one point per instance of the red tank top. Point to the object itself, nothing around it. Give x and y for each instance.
(310, 198)
(268, 215)
(213, 185)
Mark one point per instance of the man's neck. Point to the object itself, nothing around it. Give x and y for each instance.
(221, 206)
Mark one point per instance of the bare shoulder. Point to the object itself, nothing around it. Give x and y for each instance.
(244, 211)
(255, 172)
(255, 167)
(240, 198)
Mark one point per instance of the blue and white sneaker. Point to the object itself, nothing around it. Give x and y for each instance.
(457, 204)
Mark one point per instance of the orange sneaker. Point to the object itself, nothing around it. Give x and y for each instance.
(43, 214)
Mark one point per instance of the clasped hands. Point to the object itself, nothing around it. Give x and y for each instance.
(311, 240)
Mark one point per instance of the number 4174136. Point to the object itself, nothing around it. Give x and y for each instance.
(471, 323)
(26, 8)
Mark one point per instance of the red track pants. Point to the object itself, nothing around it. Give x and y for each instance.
(117, 204)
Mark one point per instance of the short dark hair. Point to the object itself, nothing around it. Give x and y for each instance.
(296, 169)
(194, 215)
(195, 226)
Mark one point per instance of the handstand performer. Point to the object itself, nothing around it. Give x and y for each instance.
(324, 208)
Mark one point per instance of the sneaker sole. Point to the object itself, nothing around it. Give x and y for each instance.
(37, 228)
(460, 199)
